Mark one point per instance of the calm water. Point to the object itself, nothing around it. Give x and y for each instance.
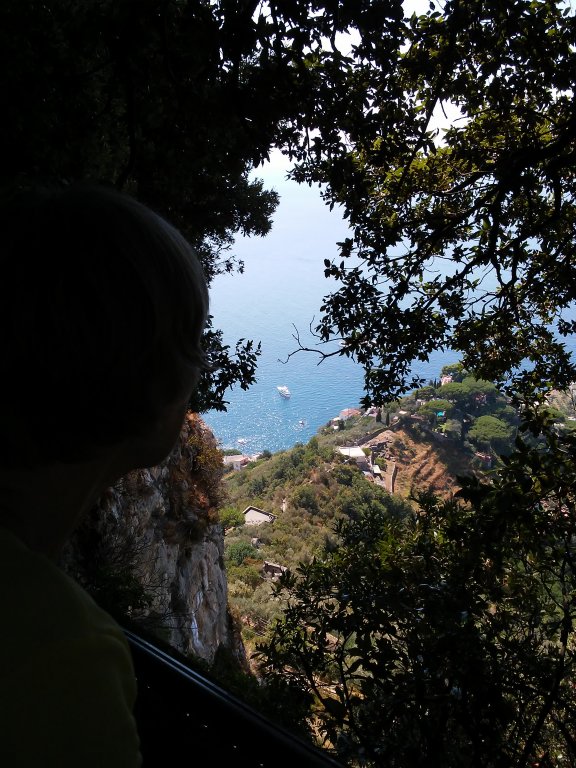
(282, 286)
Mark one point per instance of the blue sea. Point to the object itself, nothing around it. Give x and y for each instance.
(280, 293)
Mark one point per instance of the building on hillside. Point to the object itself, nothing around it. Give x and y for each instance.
(273, 570)
(256, 516)
(347, 413)
(356, 453)
(484, 458)
(236, 461)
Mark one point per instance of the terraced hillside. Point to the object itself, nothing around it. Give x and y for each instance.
(425, 463)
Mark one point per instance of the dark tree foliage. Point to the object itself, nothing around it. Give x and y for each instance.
(461, 239)
(176, 101)
(141, 96)
(448, 639)
(445, 636)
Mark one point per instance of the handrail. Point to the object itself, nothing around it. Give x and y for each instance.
(182, 716)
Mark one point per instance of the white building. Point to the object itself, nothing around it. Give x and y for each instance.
(237, 461)
(256, 516)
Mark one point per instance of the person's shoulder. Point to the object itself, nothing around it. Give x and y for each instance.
(36, 593)
(66, 673)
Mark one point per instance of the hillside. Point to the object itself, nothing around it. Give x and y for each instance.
(309, 487)
(425, 462)
(380, 459)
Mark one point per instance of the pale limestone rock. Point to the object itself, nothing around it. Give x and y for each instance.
(162, 520)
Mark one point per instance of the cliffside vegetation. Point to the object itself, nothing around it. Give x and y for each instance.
(432, 625)
(178, 102)
(310, 487)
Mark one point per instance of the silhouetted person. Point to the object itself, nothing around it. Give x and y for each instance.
(102, 309)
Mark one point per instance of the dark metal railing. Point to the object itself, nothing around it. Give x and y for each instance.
(186, 719)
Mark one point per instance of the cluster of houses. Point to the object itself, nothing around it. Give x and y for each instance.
(366, 462)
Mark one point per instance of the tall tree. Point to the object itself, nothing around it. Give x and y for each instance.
(176, 101)
(414, 639)
(446, 635)
(463, 238)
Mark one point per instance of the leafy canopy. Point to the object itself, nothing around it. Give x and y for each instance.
(462, 238)
(445, 635)
(459, 239)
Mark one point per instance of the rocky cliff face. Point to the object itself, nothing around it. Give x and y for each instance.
(152, 548)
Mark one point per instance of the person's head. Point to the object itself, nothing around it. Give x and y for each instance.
(102, 308)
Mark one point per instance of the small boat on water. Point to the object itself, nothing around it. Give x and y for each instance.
(283, 390)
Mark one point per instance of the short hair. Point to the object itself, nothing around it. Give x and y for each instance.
(103, 304)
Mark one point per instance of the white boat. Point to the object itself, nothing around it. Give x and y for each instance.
(283, 390)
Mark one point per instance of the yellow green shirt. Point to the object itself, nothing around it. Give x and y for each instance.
(67, 685)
